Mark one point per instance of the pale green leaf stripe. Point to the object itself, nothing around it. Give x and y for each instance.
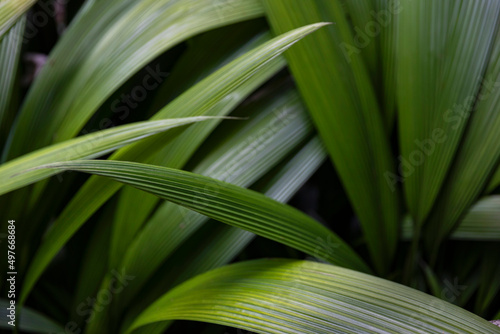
(477, 158)
(124, 36)
(287, 296)
(337, 90)
(15, 174)
(227, 203)
(218, 94)
(27, 320)
(443, 50)
(482, 222)
(11, 11)
(10, 50)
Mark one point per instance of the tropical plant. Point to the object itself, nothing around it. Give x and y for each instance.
(221, 111)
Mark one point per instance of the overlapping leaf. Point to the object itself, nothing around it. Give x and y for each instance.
(216, 95)
(248, 155)
(227, 203)
(124, 36)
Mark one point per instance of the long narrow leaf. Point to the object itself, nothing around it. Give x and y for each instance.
(477, 158)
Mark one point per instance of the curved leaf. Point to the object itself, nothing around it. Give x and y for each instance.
(15, 174)
(227, 203)
(286, 296)
(214, 246)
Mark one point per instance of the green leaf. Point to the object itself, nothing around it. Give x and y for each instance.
(218, 94)
(10, 12)
(286, 296)
(440, 64)
(338, 92)
(22, 171)
(124, 37)
(227, 203)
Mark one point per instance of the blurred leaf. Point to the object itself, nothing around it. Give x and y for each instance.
(337, 90)
(286, 296)
(202, 59)
(489, 281)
